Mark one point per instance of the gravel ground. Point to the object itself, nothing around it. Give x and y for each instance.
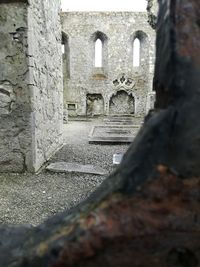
(31, 198)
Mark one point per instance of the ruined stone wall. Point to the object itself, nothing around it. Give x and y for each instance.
(30, 84)
(117, 75)
(15, 108)
(45, 77)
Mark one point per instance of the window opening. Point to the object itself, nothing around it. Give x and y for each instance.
(98, 53)
(63, 48)
(136, 53)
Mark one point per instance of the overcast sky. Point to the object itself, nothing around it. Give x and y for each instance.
(104, 5)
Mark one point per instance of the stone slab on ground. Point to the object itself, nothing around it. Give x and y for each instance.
(66, 167)
(122, 120)
(103, 134)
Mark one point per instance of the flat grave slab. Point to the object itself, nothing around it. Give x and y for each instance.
(113, 134)
(123, 120)
(67, 167)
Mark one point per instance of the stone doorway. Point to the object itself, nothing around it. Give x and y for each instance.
(121, 103)
(94, 105)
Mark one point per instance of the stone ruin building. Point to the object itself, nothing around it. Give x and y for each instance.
(147, 212)
(101, 73)
(31, 74)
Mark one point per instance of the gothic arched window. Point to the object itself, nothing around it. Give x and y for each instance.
(136, 52)
(98, 53)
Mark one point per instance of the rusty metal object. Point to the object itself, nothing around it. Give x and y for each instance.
(150, 228)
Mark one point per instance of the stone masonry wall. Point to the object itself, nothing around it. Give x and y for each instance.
(30, 84)
(15, 108)
(46, 82)
(118, 30)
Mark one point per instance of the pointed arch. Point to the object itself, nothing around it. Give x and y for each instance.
(99, 43)
(98, 57)
(140, 49)
(122, 102)
(136, 52)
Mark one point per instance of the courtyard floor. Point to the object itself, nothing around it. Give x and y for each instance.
(32, 198)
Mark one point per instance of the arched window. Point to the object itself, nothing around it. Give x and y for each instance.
(63, 48)
(66, 56)
(136, 52)
(98, 53)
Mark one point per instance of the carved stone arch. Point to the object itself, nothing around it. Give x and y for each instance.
(99, 35)
(122, 102)
(141, 35)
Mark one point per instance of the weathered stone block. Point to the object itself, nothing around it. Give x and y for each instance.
(7, 98)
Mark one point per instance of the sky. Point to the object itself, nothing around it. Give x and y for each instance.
(104, 5)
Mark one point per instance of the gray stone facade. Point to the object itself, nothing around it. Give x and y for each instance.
(117, 87)
(30, 84)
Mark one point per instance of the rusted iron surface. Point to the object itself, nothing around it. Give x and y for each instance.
(188, 30)
(161, 219)
(137, 224)
(178, 45)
